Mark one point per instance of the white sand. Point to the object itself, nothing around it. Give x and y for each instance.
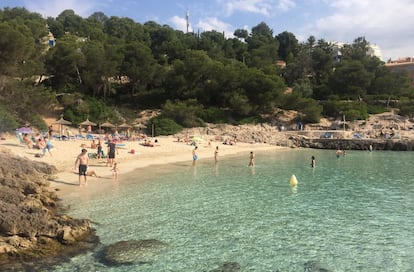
(166, 151)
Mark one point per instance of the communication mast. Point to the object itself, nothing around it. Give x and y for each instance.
(187, 18)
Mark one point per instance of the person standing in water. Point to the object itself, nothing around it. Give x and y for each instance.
(195, 157)
(216, 155)
(251, 157)
(313, 162)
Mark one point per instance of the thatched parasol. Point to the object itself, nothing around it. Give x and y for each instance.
(62, 122)
(140, 126)
(87, 123)
(124, 125)
(108, 125)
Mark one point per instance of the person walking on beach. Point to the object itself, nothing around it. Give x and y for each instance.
(48, 147)
(82, 162)
(195, 156)
(251, 161)
(313, 162)
(111, 153)
(115, 170)
(216, 155)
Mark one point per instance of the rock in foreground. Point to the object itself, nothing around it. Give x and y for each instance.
(30, 228)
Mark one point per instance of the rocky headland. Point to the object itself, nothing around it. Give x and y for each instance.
(33, 231)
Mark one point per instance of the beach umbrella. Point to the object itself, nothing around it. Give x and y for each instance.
(24, 130)
(124, 125)
(87, 123)
(140, 125)
(197, 139)
(108, 125)
(105, 125)
(62, 122)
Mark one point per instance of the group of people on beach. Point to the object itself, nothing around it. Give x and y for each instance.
(82, 161)
(40, 142)
(216, 156)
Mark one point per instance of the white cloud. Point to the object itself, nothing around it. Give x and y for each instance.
(263, 7)
(212, 23)
(54, 7)
(384, 23)
(180, 23)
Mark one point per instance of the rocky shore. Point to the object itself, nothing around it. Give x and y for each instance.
(265, 133)
(355, 144)
(32, 229)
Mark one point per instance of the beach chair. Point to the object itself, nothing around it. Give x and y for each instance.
(78, 137)
(92, 155)
(20, 138)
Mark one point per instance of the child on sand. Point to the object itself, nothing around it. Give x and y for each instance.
(115, 170)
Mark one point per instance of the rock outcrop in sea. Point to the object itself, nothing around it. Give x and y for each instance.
(31, 227)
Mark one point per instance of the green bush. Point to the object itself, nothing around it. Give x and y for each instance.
(375, 109)
(249, 120)
(353, 110)
(406, 107)
(184, 113)
(213, 115)
(312, 111)
(37, 121)
(7, 121)
(165, 126)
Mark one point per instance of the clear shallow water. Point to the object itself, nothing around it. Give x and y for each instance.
(354, 213)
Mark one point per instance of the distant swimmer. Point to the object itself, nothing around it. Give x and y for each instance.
(370, 148)
(195, 156)
(313, 162)
(251, 157)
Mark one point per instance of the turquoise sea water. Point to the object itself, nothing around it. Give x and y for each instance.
(353, 213)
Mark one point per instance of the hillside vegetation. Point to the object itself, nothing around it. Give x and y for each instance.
(111, 68)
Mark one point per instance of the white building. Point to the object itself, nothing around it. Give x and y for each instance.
(373, 50)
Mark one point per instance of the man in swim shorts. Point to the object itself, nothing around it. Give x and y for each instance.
(82, 162)
(111, 153)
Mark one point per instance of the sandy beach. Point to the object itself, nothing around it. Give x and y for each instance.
(168, 150)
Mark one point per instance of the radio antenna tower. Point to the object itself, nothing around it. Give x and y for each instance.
(187, 18)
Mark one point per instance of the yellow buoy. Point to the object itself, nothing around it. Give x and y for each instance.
(293, 181)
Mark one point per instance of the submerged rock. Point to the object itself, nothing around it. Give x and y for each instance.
(314, 266)
(132, 251)
(228, 267)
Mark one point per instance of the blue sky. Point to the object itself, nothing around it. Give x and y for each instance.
(385, 23)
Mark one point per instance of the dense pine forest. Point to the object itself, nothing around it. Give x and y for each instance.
(111, 68)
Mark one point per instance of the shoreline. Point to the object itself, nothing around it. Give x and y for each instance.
(166, 151)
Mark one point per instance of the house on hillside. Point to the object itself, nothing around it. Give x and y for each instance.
(403, 64)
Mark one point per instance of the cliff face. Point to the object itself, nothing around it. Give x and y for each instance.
(30, 227)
